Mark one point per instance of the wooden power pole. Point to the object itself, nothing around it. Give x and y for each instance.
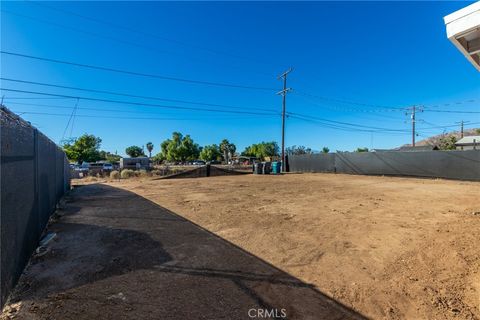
(284, 95)
(413, 111)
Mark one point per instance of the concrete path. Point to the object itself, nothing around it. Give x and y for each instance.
(120, 256)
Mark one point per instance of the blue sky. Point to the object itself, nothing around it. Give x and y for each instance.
(370, 54)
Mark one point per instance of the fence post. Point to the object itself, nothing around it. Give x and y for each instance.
(36, 201)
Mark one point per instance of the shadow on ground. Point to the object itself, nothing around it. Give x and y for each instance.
(120, 256)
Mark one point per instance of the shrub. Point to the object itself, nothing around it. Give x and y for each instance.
(141, 173)
(127, 173)
(114, 174)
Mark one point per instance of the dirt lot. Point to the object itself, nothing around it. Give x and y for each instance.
(388, 248)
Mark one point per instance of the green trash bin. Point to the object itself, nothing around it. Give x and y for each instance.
(275, 167)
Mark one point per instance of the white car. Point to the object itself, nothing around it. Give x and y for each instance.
(84, 167)
(108, 166)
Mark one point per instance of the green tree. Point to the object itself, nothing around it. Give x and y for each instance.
(447, 143)
(149, 148)
(211, 152)
(296, 150)
(325, 150)
(261, 150)
(179, 148)
(83, 149)
(134, 151)
(227, 148)
(109, 157)
(361, 150)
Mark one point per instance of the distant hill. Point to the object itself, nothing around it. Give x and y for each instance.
(435, 140)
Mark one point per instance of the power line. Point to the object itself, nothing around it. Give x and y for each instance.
(73, 119)
(134, 95)
(136, 103)
(451, 103)
(447, 126)
(129, 29)
(347, 101)
(34, 98)
(371, 112)
(85, 32)
(107, 110)
(331, 106)
(69, 119)
(343, 128)
(140, 74)
(450, 111)
(341, 122)
(111, 117)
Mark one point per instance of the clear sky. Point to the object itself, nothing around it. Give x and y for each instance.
(372, 54)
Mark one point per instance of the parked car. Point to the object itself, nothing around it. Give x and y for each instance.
(198, 163)
(84, 167)
(107, 167)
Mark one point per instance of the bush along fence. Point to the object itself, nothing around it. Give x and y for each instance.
(460, 165)
(34, 175)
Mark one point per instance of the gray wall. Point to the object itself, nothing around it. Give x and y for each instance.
(205, 171)
(462, 165)
(34, 174)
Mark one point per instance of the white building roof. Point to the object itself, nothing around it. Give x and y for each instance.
(463, 30)
(469, 140)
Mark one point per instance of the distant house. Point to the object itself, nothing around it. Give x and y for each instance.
(417, 148)
(135, 163)
(468, 143)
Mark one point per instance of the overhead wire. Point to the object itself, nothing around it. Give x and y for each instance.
(299, 92)
(113, 117)
(115, 110)
(69, 119)
(135, 73)
(136, 103)
(155, 36)
(134, 95)
(73, 119)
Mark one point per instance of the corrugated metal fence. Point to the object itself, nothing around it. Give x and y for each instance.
(34, 175)
(461, 165)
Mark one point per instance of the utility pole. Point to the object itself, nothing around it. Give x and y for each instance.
(413, 126)
(413, 110)
(461, 123)
(284, 95)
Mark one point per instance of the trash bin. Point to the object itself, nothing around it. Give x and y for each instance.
(275, 167)
(267, 167)
(258, 168)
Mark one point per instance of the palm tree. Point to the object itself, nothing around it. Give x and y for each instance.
(150, 148)
(224, 147)
(227, 148)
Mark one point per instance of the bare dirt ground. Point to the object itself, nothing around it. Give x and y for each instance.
(345, 247)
